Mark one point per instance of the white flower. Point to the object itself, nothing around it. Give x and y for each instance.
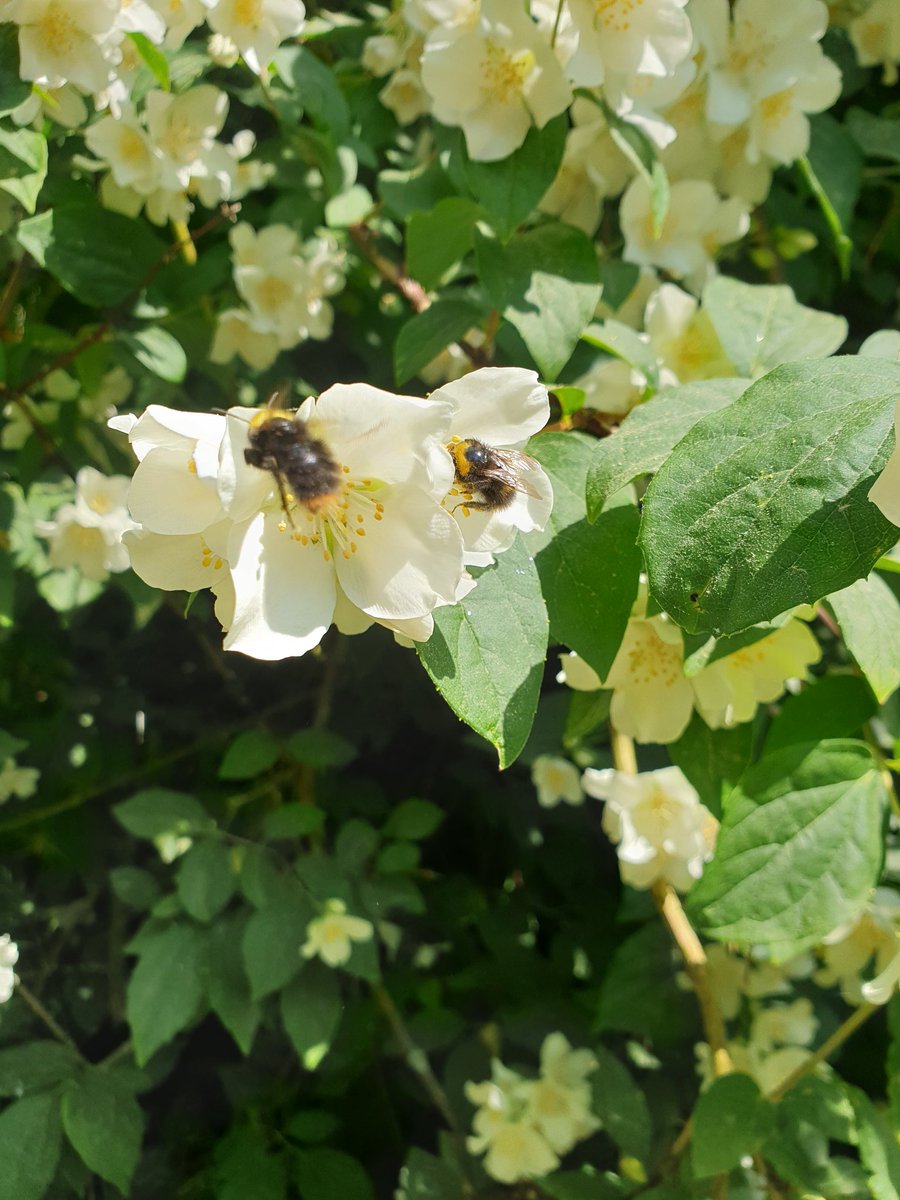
(222, 50)
(504, 1130)
(885, 492)
(875, 35)
(331, 935)
(140, 16)
(237, 333)
(61, 41)
(768, 1068)
(792, 1024)
(183, 130)
(257, 27)
(171, 846)
(17, 781)
(575, 673)
(661, 830)
(728, 690)
(559, 1103)
(696, 224)
(87, 534)
(847, 951)
(123, 143)
(425, 15)
(383, 54)
(683, 337)
(556, 780)
(181, 17)
(405, 95)
(495, 79)
(612, 386)
(593, 168)
(500, 408)
(650, 37)
(64, 105)
(9, 956)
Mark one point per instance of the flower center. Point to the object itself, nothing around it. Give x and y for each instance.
(336, 522)
(58, 31)
(505, 73)
(246, 12)
(615, 14)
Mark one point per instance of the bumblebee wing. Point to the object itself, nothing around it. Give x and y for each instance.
(508, 465)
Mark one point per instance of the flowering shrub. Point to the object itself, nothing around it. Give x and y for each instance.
(449, 602)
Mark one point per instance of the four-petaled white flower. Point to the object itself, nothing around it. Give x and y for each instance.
(660, 828)
(331, 935)
(556, 781)
(504, 1130)
(64, 41)
(9, 956)
(500, 408)
(88, 532)
(495, 78)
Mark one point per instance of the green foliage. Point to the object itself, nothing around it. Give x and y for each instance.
(731, 1120)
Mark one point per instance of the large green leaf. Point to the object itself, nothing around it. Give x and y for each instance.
(272, 940)
(868, 613)
(156, 811)
(104, 1123)
(311, 1009)
(426, 334)
(546, 283)
(228, 986)
(486, 655)
(621, 1106)
(650, 432)
(206, 879)
(761, 326)
(589, 573)
(30, 1137)
(437, 240)
(764, 505)
(166, 988)
(33, 1066)
(713, 759)
(23, 165)
(799, 849)
(14, 90)
(245, 1167)
(101, 257)
(731, 1120)
(510, 189)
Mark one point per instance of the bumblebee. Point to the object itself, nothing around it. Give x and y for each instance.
(302, 465)
(487, 478)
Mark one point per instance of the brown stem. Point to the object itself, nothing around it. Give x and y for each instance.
(10, 292)
(858, 1017)
(41, 1013)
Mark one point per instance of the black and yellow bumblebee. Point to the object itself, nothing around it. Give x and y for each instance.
(488, 478)
(302, 465)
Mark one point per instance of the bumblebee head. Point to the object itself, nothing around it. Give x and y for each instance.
(265, 415)
(468, 455)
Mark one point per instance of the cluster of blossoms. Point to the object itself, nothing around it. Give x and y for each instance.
(284, 286)
(722, 91)
(386, 539)
(60, 388)
(330, 937)
(9, 956)
(524, 1126)
(87, 533)
(653, 699)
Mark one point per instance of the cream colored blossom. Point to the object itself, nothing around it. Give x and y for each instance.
(871, 942)
(769, 1069)
(181, 17)
(697, 223)
(559, 1102)
(9, 956)
(257, 27)
(17, 781)
(649, 37)
(331, 936)
(652, 699)
(875, 35)
(660, 829)
(405, 95)
(793, 1024)
(683, 338)
(556, 781)
(503, 1129)
(496, 79)
(87, 534)
(64, 41)
(593, 168)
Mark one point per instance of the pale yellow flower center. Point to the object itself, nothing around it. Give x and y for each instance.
(615, 14)
(58, 31)
(505, 73)
(100, 504)
(246, 12)
(651, 660)
(335, 523)
(210, 559)
(776, 108)
(274, 293)
(131, 145)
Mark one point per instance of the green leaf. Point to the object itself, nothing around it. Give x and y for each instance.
(311, 1009)
(424, 1177)
(731, 1119)
(134, 886)
(272, 941)
(413, 820)
(320, 748)
(510, 189)
(879, 1148)
(324, 1174)
(166, 988)
(764, 505)
(23, 165)
(437, 241)
(798, 851)
(761, 326)
(30, 1137)
(104, 1123)
(586, 1184)
(245, 1168)
(349, 207)
(206, 880)
(626, 344)
(354, 845)
(868, 613)
(587, 711)
(546, 283)
(833, 171)
(893, 1058)
(250, 754)
(312, 85)
(153, 57)
(100, 256)
(426, 334)
(814, 1113)
(621, 1106)
(397, 858)
(641, 153)
(877, 137)
(34, 1066)
(14, 90)
(638, 993)
(650, 432)
(832, 706)
(712, 759)
(156, 811)
(585, 569)
(293, 820)
(159, 352)
(228, 986)
(486, 655)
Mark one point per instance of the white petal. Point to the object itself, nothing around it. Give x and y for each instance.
(167, 496)
(183, 562)
(502, 406)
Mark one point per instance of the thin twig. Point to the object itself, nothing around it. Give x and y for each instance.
(858, 1017)
(43, 1015)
